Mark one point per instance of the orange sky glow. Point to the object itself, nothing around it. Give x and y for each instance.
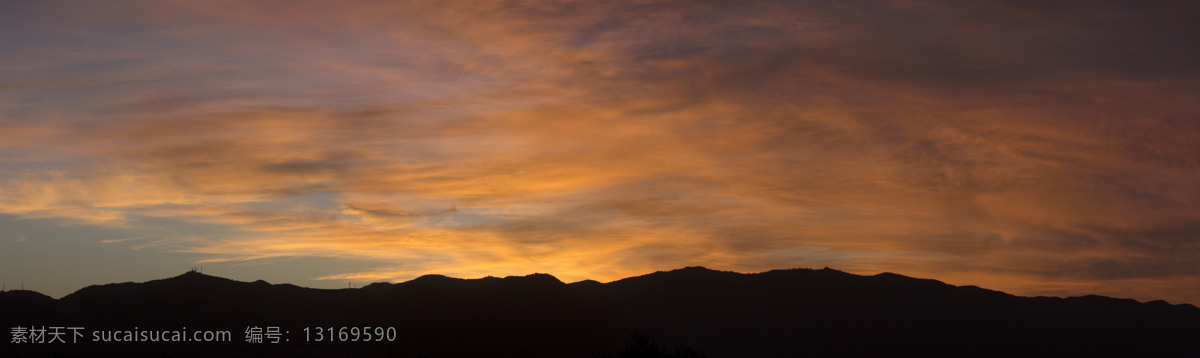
(1034, 148)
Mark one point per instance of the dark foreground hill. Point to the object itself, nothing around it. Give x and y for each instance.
(782, 313)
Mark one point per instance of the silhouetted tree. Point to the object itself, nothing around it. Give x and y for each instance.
(644, 347)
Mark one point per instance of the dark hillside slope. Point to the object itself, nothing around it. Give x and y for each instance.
(781, 313)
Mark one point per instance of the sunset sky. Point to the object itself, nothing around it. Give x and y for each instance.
(1038, 148)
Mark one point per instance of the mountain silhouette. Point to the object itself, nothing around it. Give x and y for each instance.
(699, 312)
